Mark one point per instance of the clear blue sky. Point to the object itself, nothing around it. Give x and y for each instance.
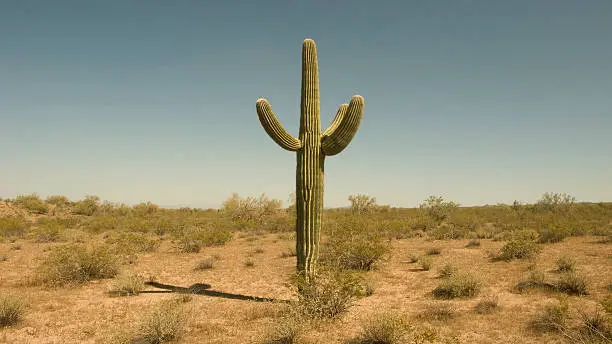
(477, 101)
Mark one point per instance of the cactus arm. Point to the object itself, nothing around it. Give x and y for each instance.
(274, 128)
(337, 120)
(340, 133)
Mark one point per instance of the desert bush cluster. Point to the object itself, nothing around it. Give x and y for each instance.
(92, 240)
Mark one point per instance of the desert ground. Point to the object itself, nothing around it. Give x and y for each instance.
(205, 276)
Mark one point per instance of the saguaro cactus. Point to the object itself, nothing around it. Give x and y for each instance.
(311, 146)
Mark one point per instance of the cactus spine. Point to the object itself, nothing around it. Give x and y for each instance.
(311, 147)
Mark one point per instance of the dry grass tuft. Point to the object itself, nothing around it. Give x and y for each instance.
(552, 318)
(206, 264)
(487, 305)
(290, 252)
(166, 323)
(447, 270)
(596, 326)
(473, 243)
(286, 330)
(383, 328)
(440, 311)
(12, 308)
(433, 251)
(565, 264)
(426, 263)
(127, 284)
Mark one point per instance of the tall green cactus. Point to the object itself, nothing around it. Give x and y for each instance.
(312, 146)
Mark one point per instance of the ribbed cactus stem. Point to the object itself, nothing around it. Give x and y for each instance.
(312, 146)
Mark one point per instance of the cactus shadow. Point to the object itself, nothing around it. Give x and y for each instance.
(204, 289)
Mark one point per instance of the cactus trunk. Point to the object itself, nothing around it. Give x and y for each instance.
(311, 147)
(309, 171)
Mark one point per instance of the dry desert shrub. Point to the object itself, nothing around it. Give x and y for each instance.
(572, 283)
(551, 318)
(286, 330)
(72, 264)
(12, 308)
(439, 311)
(13, 227)
(457, 285)
(518, 249)
(165, 323)
(383, 328)
(327, 294)
(127, 284)
(487, 305)
(355, 243)
(565, 263)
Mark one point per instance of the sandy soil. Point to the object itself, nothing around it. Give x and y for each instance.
(87, 314)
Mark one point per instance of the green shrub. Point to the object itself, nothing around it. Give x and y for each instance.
(145, 209)
(13, 226)
(132, 242)
(518, 249)
(437, 209)
(99, 224)
(49, 231)
(449, 231)
(524, 235)
(135, 224)
(193, 240)
(554, 233)
(355, 244)
(572, 283)
(251, 210)
(362, 204)
(12, 308)
(86, 206)
(58, 201)
(63, 222)
(72, 264)
(32, 203)
(555, 202)
(457, 285)
(327, 294)
(162, 226)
